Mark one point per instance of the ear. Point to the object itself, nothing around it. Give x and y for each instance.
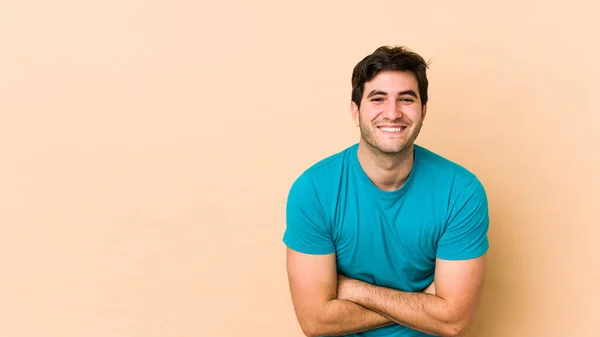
(355, 113)
(424, 112)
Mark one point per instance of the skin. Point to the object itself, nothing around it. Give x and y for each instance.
(328, 303)
(389, 99)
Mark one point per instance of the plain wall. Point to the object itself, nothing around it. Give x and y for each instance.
(148, 148)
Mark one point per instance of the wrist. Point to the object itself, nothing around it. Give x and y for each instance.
(361, 292)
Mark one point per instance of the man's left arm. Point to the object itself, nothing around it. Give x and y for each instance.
(448, 312)
(459, 275)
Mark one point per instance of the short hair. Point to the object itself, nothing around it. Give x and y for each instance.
(384, 58)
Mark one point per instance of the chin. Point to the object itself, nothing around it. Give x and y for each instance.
(395, 150)
(391, 149)
(387, 146)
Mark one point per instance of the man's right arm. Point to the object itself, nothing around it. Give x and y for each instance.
(312, 270)
(313, 285)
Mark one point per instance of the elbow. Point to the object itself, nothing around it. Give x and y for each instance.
(312, 334)
(315, 330)
(317, 327)
(454, 330)
(455, 325)
(311, 327)
(314, 322)
(311, 331)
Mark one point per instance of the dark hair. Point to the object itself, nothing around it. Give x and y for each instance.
(389, 58)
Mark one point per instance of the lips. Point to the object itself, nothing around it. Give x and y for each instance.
(392, 129)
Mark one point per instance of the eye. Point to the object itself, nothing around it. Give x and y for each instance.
(407, 99)
(377, 99)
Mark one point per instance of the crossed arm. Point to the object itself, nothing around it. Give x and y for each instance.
(330, 304)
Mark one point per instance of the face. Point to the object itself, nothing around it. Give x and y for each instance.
(390, 115)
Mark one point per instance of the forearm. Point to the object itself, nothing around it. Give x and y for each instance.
(341, 317)
(419, 311)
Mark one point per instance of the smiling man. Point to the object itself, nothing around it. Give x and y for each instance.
(386, 238)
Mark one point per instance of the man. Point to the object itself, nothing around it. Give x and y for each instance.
(370, 228)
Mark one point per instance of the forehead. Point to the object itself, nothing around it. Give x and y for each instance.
(393, 81)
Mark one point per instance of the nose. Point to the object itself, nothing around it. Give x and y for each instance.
(393, 110)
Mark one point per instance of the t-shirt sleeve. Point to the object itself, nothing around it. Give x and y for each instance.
(465, 236)
(307, 229)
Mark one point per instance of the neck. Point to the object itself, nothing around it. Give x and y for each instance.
(388, 172)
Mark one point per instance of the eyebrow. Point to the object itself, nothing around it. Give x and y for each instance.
(405, 92)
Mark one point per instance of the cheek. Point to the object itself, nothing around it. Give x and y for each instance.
(414, 114)
(369, 114)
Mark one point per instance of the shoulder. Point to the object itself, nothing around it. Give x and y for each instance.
(309, 197)
(443, 172)
(323, 172)
(439, 163)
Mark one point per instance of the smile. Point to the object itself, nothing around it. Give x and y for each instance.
(392, 129)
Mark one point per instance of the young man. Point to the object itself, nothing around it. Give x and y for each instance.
(370, 228)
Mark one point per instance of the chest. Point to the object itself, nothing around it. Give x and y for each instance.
(388, 242)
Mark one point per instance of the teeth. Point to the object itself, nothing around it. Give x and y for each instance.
(392, 129)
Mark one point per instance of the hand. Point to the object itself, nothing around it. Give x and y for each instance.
(430, 289)
(347, 288)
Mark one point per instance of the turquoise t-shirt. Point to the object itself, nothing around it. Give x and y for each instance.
(389, 239)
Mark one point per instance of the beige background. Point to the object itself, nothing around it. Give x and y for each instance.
(148, 147)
